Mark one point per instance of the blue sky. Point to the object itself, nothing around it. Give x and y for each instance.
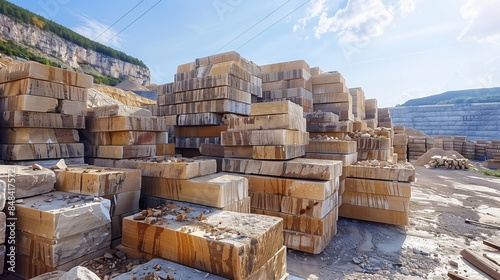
(394, 49)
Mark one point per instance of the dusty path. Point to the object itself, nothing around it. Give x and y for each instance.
(441, 201)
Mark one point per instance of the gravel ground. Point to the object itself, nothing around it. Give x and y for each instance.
(441, 202)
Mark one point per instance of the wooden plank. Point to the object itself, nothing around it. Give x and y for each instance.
(309, 189)
(302, 223)
(209, 149)
(199, 119)
(391, 217)
(391, 188)
(206, 94)
(43, 72)
(238, 152)
(165, 149)
(123, 152)
(41, 120)
(274, 137)
(491, 244)
(199, 131)
(456, 276)
(122, 123)
(173, 168)
(43, 88)
(38, 136)
(97, 181)
(55, 252)
(347, 159)
(264, 122)
(378, 201)
(276, 108)
(196, 245)
(401, 173)
(278, 152)
(481, 263)
(194, 142)
(30, 103)
(293, 205)
(59, 214)
(331, 146)
(40, 151)
(119, 110)
(216, 190)
(300, 168)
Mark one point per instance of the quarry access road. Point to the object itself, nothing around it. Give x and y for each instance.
(429, 247)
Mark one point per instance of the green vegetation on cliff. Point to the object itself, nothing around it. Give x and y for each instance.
(10, 48)
(481, 95)
(23, 15)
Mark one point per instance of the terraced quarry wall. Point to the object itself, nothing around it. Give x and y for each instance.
(476, 121)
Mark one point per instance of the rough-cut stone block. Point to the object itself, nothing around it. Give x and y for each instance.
(25, 181)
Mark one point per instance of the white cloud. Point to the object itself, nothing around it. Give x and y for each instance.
(482, 16)
(407, 7)
(359, 21)
(315, 9)
(95, 30)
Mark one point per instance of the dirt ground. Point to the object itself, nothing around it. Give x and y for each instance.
(441, 201)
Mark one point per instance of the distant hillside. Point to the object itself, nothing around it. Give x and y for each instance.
(27, 36)
(481, 95)
(23, 15)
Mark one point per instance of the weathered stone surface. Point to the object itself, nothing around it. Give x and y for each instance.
(70, 53)
(160, 266)
(3, 220)
(25, 181)
(476, 121)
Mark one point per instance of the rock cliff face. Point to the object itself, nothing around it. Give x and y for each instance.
(476, 121)
(70, 53)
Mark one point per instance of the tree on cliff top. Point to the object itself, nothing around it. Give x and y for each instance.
(22, 15)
